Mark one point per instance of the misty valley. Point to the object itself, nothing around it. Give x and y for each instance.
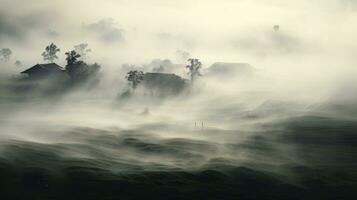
(166, 105)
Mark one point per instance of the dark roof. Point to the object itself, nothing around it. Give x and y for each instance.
(51, 67)
(162, 78)
(160, 74)
(164, 81)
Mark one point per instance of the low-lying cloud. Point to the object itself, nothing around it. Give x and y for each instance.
(106, 30)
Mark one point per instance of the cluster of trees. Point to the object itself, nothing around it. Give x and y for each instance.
(76, 66)
(80, 51)
(50, 54)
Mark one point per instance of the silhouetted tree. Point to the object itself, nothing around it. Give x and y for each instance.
(135, 77)
(72, 57)
(5, 54)
(194, 68)
(82, 50)
(50, 53)
(78, 70)
(81, 71)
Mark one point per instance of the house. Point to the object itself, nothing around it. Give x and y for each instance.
(40, 71)
(163, 84)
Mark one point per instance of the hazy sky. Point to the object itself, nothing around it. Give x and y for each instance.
(213, 30)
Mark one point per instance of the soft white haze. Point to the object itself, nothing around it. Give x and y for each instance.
(304, 64)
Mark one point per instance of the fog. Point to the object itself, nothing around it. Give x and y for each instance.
(296, 108)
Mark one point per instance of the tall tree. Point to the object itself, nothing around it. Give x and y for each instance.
(50, 53)
(194, 68)
(82, 50)
(5, 54)
(135, 77)
(72, 57)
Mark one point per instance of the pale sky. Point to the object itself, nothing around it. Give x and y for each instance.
(213, 30)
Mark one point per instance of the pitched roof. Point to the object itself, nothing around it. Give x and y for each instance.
(51, 67)
(162, 77)
(164, 81)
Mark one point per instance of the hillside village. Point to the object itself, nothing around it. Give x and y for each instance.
(159, 79)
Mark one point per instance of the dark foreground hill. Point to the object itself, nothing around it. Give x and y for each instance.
(324, 165)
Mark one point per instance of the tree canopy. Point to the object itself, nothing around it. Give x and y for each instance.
(135, 77)
(50, 53)
(72, 57)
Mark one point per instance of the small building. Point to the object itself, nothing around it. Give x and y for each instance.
(164, 66)
(163, 84)
(40, 71)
